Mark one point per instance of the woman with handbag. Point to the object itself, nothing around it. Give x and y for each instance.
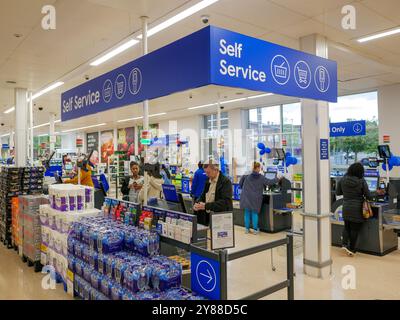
(355, 192)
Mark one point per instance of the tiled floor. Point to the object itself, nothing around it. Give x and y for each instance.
(376, 277)
(18, 281)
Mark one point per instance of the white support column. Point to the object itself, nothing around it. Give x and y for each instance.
(52, 132)
(316, 180)
(31, 127)
(145, 105)
(11, 142)
(21, 127)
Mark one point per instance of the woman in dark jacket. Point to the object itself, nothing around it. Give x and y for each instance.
(354, 190)
(251, 197)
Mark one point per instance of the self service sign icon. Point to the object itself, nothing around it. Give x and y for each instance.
(348, 129)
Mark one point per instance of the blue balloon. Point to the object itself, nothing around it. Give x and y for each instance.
(396, 161)
(261, 146)
(392, 161)
(295, 161)
(288, 154)
(268, 150)
(262, 152)
(384, 167)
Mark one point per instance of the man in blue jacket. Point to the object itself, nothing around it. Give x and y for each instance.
(198, 183)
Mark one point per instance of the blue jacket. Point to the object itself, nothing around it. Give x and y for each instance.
(198, 183)
(253, 186)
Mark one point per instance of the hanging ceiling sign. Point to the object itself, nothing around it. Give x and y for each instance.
(211, 56)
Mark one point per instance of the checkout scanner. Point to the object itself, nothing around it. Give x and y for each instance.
(274, 216)
(379, 234)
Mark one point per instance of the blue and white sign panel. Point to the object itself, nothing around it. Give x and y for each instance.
(5, 146)
(324, 149)
(177, 67)
(236, 191)
(245, 62)
(186, 186)
(349, 129)
(205, 276)
(211, 56)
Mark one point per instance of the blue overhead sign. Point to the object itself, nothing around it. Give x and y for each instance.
(205, 276)
(348, 129)
(177, 67)
(245, 62)
(211, 56)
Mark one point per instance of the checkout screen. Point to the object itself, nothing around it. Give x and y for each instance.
(372, 183)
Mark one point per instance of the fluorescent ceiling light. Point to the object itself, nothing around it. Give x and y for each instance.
(45, 124)
(203, 106)
(179, 17)
(5, 135)
(261, 95)
(83, 128)
(46, 90)
(9, 110)
(138, 118)
(114, 52)
(379, 35)
(231, 101)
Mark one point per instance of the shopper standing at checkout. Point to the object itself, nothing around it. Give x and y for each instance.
(251, 197)
(216, 196)
(132, 185)
(199, 182)
(355, 191)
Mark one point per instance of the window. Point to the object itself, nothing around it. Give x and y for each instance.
(209, 144)
(347, 150)
(291, 129)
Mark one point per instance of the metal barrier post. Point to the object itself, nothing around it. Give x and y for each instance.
(290, 267)
(223, 260)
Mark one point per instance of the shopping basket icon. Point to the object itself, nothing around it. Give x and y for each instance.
(281, 71)
(303, 75)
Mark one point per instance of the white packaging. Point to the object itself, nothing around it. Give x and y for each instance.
(164, 229)
(178, 233)
(186, 234)
(171, 231)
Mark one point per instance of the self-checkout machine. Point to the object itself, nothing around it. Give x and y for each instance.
(378, 235)
(216, 58)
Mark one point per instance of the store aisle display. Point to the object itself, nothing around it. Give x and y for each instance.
(13, 183)
(113, 260)
(67, 204)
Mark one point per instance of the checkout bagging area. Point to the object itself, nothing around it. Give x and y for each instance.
(379, 233)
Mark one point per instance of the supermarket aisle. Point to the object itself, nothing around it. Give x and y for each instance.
(18, 281)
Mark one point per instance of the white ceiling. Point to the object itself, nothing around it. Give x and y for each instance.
(86, 28)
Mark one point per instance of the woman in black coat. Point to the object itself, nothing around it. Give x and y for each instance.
(355, 191)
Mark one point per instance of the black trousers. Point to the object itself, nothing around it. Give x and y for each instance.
(350, 234)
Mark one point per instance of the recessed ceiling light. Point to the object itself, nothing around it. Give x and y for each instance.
(18, 35)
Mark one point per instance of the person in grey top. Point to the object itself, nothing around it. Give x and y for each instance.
(251, 197)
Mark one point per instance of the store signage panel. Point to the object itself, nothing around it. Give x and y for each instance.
(348, 129)
(324, 149)
(205, 276)
(245, 62)
(206, 57)
(177, 67)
